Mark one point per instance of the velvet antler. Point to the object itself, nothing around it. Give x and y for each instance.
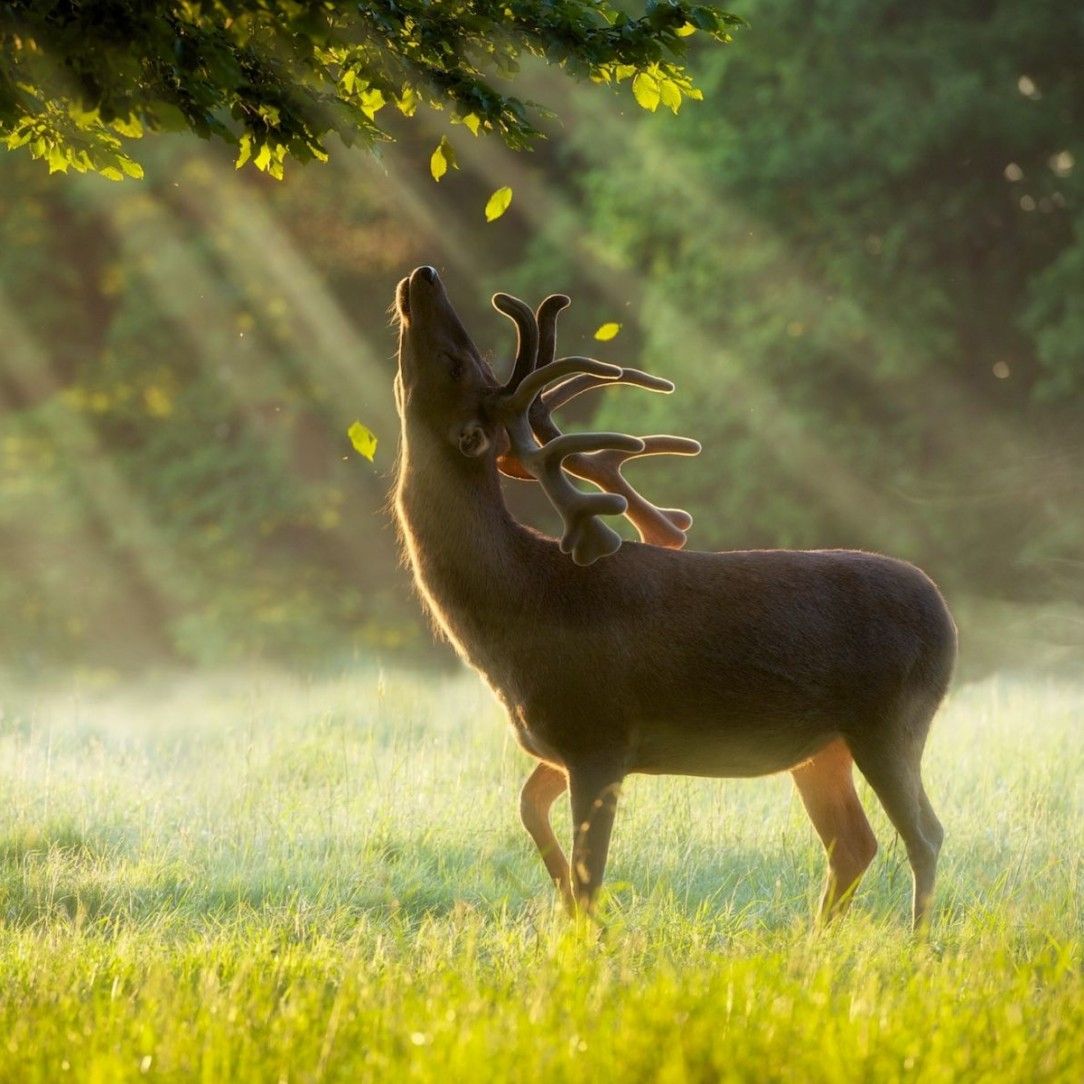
(539, 449)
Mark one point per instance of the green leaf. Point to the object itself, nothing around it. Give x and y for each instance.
(645, 89)
(169, 118)
(607, 332)
(363, 440)
(216, 83)
(498, 203)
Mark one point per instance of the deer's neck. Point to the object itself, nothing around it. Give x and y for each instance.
(466, 550)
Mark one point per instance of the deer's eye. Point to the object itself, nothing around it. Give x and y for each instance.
(456, 368)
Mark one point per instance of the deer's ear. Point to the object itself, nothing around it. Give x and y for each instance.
(473, 440)
(507, 463)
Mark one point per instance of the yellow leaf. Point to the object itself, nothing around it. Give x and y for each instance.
(244, 150)
(498, 203)
(129, 126)
(363, 440)
(58, 160)
(438, 164)
(442, 158)
(21, 135)
(85, 118)
(685, 31)
(372, 101)
(607, 332)
(670, 94)
(472, 121)
(645, 89)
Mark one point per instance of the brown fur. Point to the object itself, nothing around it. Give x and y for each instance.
(739, 663)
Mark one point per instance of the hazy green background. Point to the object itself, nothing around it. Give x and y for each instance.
(861, 258)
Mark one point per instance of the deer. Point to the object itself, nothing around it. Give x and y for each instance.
(614, 657)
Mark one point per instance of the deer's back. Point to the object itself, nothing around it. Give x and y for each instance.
(740, 662)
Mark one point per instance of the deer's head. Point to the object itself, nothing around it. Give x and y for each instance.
(443, 386)
(450, 398)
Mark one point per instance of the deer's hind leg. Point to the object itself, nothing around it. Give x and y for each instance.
(892, 764)
(826, 786)
(543, 787)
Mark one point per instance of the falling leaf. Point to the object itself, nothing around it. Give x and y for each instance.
(364, 440)
(442, 158)
(438, 164)
(498, 203)
(607, 332)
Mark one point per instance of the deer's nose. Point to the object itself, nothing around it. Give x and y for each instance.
(428, 273)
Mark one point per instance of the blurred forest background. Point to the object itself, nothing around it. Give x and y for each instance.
(861, 258)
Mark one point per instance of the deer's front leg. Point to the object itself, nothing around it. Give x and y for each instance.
(594, 786)
(541, 790)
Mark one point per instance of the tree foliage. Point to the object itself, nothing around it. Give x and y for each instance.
(868, 281)
(862, 260)
(80, 81)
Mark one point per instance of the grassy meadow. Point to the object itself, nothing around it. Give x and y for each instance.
(256, 878)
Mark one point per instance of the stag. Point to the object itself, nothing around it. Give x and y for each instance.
(615, 657)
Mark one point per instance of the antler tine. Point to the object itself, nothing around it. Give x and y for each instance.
(519, 312)
(557, 397)
(546, 317)
(585, 536)
(656, 526)
(524, 394)
(540, 450)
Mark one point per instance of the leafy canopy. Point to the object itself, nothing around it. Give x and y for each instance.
(80, 80)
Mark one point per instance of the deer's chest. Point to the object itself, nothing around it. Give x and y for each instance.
(559, 729)
(537, 744)
(533, 736)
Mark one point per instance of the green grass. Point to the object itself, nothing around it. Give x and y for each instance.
(260, 879)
